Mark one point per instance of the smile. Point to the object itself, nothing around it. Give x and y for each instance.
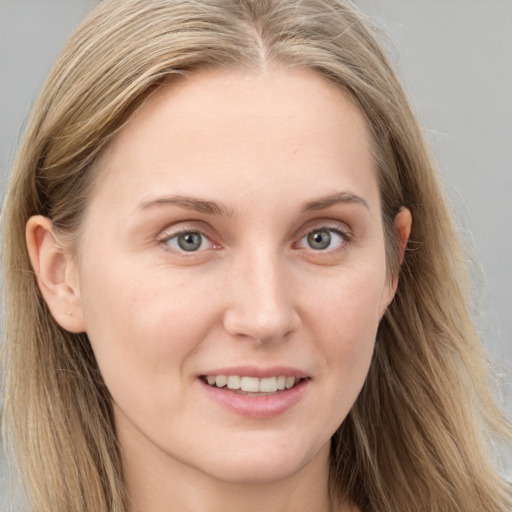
(248, 384)
(254, 397)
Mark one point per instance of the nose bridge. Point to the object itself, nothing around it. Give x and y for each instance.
(260, 305)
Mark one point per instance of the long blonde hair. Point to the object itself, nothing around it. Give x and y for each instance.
(415, 440)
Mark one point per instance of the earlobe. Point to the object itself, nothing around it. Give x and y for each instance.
(55, 272)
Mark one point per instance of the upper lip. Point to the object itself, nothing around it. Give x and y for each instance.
(259, 372)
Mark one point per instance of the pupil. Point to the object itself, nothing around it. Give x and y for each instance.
(319, 239)
(189, 241)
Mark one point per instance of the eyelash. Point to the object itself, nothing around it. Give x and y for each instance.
(165, 241)
(342, 233)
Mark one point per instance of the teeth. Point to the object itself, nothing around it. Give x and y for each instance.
(234, 382)
(252, 384)
(221, 381)
(268, 385)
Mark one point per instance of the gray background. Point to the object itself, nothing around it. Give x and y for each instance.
(455, 58)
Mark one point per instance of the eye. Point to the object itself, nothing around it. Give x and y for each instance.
(323, 239)
(188, 241)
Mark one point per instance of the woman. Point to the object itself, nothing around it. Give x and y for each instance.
(231, 278)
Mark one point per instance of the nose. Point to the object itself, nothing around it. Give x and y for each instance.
(260, 303)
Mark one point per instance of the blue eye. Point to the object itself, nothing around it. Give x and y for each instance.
(189, 241)
(323, 239)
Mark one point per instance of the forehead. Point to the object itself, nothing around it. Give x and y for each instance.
(216, 128)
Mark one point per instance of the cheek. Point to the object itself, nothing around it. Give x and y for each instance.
(141, 319)
(344, 317)
(349, 302)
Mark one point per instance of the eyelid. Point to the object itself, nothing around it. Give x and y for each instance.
(184, 226)
(339, 227)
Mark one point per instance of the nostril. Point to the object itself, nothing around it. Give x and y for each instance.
(272, 326)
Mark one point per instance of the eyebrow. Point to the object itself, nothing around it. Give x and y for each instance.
(215, 208)
(339, 198)
(189, 203)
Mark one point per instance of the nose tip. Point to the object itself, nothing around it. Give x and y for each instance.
(261, 306)
(261, 326)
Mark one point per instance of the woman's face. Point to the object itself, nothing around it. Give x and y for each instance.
(235, 236)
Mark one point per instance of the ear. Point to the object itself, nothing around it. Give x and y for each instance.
(56, 273)
(402, 226)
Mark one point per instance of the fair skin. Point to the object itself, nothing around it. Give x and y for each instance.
(280, 273)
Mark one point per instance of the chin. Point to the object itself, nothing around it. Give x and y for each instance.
(259, 465)
(254, 472)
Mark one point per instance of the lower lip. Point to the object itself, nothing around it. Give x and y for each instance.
(258, 407)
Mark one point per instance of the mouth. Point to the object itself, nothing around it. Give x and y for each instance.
(252, 386)
(271, 394)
